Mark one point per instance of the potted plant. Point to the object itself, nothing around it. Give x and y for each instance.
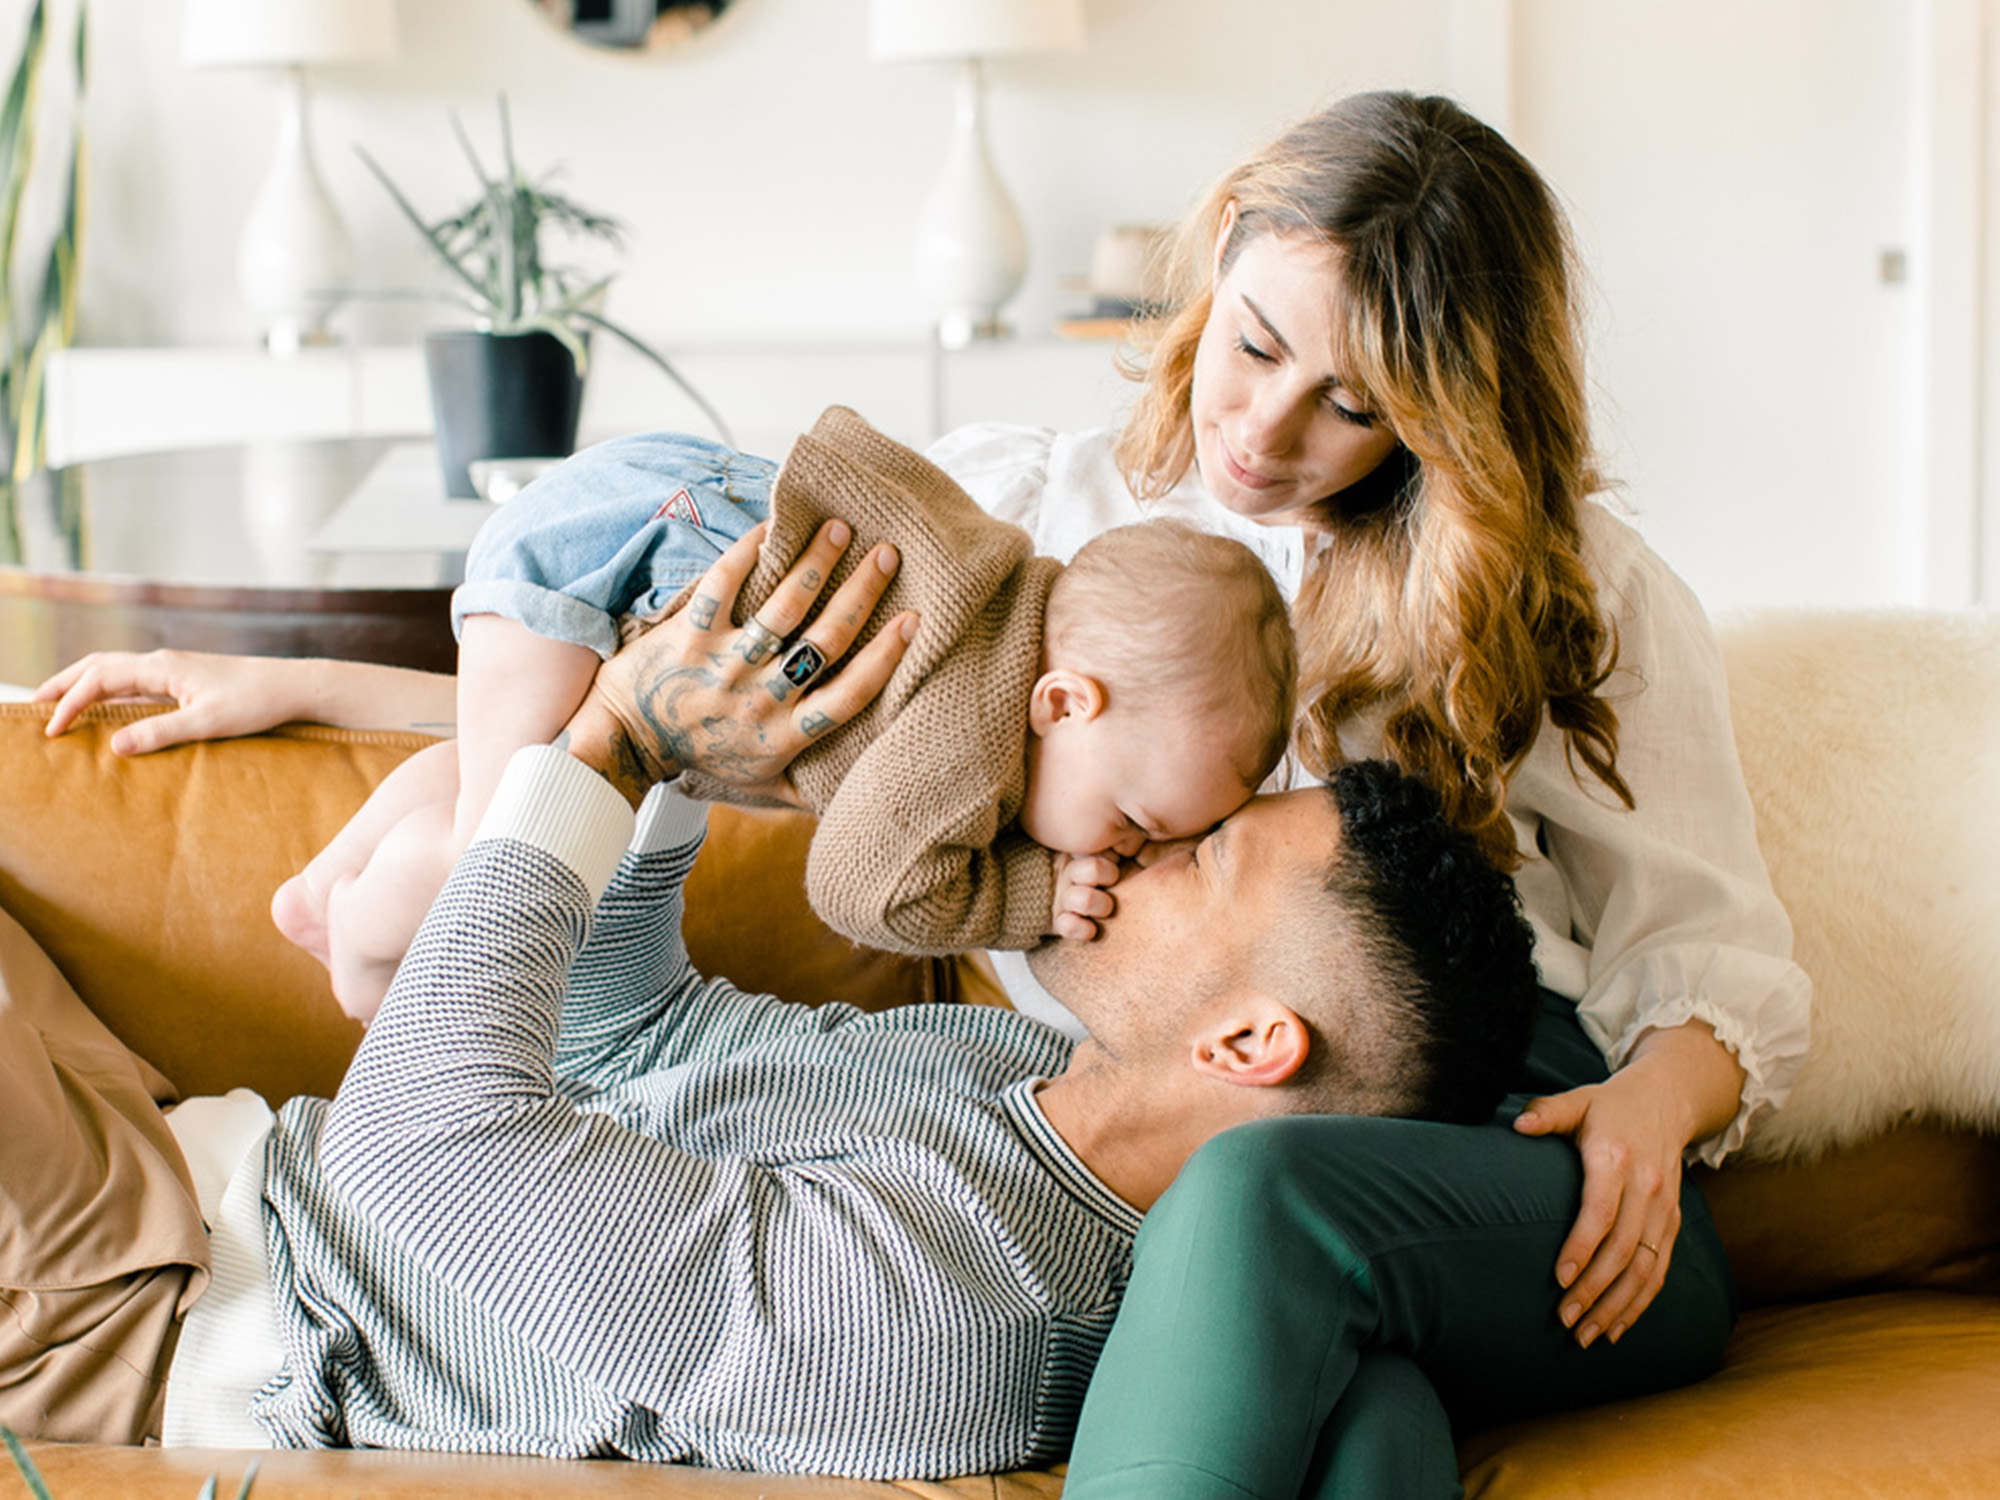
(512, 386)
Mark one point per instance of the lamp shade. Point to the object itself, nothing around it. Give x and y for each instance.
(913, 30)
(284, 33)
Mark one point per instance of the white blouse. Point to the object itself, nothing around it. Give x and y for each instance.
(1647, 918)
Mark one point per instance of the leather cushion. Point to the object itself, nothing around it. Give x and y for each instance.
(1918, 1207)
(85, 1473)
(1887, 1395)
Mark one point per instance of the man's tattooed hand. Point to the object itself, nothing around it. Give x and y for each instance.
(695, 693)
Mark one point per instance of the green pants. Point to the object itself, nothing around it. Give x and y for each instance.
(1315, 1293)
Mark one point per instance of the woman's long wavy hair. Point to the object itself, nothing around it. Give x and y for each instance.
(1448, 593)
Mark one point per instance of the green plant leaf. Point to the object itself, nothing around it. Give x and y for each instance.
(598, 320)
(17, 149)
(432, 237)
(36, 1485)
(38, 300)
(494, 247)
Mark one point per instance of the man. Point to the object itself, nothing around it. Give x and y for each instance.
(574, 1199)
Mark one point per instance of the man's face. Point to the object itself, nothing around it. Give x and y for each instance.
(1193, 918)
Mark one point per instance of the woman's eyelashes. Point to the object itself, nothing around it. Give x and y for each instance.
(1351, 415)
(1262, 356)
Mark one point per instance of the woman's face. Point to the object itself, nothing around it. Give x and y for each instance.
(1276, 428)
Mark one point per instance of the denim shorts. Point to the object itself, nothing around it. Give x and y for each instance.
(618, 530)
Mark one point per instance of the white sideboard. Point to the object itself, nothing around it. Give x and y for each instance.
(109, 402)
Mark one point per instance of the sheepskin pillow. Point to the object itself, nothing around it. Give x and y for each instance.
(1871, 744)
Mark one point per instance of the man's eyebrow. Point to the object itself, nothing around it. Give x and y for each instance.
(1269, 327)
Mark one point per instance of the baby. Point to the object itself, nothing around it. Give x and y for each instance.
(1041, 714)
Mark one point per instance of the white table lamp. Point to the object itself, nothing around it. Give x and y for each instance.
(971, 250)
(295, 259)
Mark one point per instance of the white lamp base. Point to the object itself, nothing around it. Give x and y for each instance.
(295, 260)
(972, 253)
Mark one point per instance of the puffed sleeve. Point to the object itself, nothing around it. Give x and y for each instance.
(1002, 465)
(1662, 914)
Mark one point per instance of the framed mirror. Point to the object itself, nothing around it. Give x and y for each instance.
(632, 25)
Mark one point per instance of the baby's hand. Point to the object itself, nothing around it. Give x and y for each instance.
(1081, 898)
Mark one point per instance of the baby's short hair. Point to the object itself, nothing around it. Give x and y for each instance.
(1170, 617)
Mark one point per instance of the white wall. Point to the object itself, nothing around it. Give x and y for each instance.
(1735, 169)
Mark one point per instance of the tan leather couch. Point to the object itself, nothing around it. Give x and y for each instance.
(1867, 1362)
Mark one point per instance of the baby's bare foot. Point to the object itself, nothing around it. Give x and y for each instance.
(301, 916)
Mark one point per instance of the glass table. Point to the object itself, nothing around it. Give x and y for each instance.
(341, 548)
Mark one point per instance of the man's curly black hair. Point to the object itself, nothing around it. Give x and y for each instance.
(1443, 931)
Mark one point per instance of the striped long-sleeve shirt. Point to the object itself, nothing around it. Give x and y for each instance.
(573, 1199)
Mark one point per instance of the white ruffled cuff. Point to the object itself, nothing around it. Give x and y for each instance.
(1767, 1034)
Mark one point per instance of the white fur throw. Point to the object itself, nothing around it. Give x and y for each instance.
(1871, 744)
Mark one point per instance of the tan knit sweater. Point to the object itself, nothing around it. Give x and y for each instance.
(917, 849)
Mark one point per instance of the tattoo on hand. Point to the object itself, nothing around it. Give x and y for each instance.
(701, 611)
(815, 724)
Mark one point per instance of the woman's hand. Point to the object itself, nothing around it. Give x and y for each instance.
(697, 693)
(1679, 1085)
(217, 697)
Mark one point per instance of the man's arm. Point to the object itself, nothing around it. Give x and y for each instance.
(456, 1083)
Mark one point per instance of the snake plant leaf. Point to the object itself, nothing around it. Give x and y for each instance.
(37, 301)
(56, 327)
(17, 148)
(37, 1486)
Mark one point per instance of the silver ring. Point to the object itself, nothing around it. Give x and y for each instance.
(802, 665)
(760, 641)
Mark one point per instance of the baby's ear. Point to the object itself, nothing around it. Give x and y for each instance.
(1064, 695)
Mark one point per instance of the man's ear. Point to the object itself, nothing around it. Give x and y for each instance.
(1254, 1043)
(1063, 694)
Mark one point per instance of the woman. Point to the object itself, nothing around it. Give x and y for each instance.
(1374, 377)
(1377, 344)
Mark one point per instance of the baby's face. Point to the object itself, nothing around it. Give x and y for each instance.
(1123, 779)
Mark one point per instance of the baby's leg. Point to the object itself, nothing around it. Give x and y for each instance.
(515, 688)
(299, 907)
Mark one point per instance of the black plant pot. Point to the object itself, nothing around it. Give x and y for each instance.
(500, 395)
